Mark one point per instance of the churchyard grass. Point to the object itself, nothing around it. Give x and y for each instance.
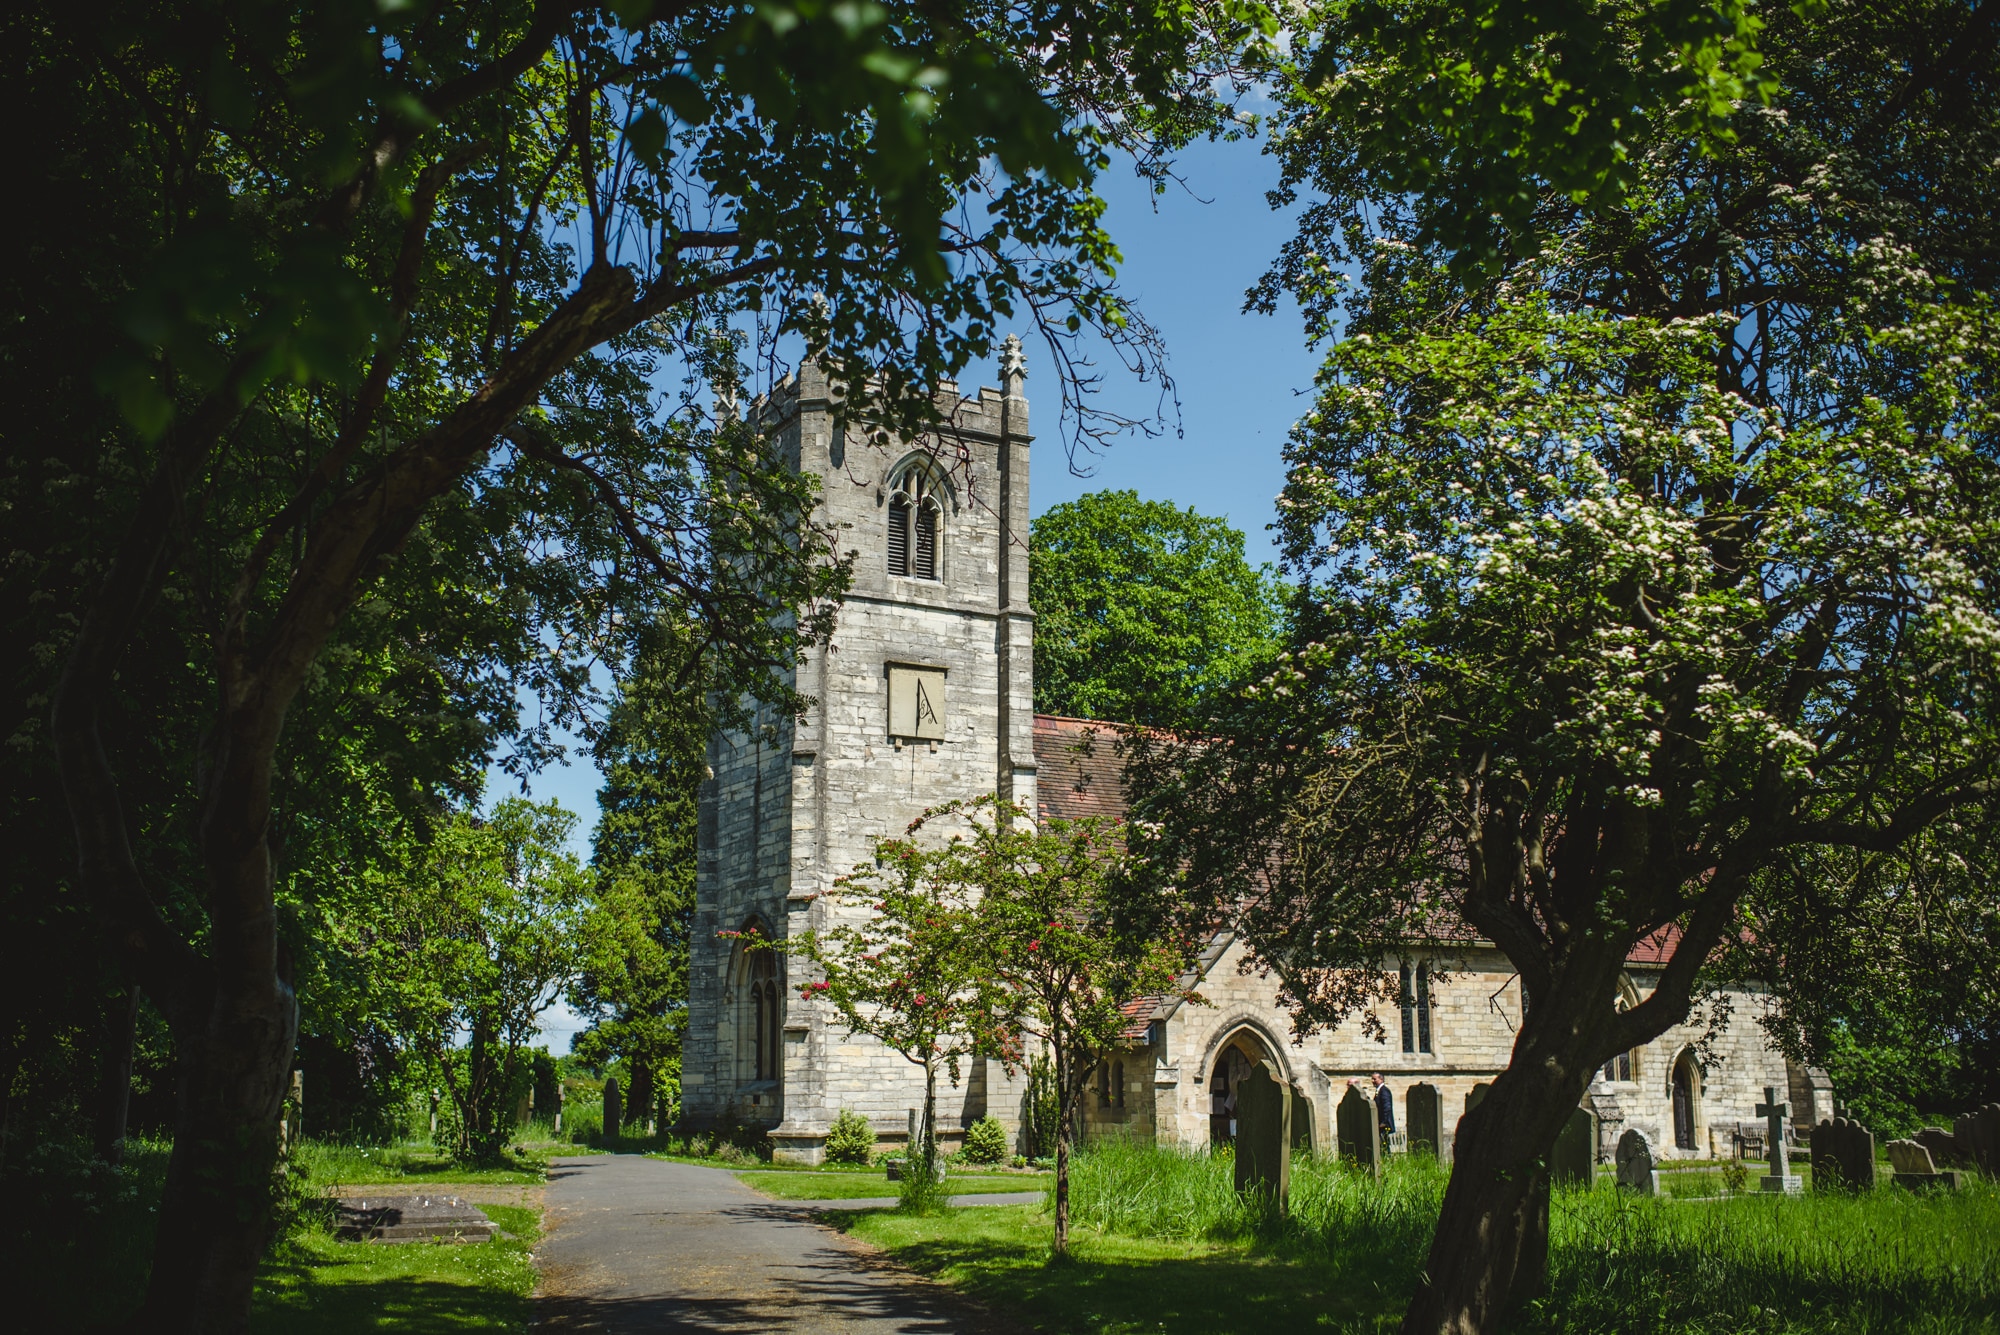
(412, 1164)
(862, 1184)
(1746, 1265)
(318, 1284)
(78, 1236)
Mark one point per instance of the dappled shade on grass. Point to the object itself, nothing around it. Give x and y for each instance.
(317, 1284)
(414, 1165)
(1165, 1242)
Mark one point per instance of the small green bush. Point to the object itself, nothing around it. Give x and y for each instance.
(985, 1141)
(851, 1139)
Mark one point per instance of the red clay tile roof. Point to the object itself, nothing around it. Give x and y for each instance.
(1080, 770)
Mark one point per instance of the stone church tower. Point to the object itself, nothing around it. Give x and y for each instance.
(926, 695)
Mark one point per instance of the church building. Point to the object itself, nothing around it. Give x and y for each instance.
(926, 695)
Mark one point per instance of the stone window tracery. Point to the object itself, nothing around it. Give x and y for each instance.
(915, 521)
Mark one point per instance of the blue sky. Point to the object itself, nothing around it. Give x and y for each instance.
(1189, 255)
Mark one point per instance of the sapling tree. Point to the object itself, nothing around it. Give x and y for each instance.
(1068, 951)
(900, 961)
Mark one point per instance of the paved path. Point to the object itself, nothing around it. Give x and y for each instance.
(642, 1245)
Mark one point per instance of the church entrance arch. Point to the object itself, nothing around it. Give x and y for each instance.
(1687, 1090)
(1232, 1063)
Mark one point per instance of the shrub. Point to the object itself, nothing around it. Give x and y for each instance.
(851, 1139)
(985, 1141)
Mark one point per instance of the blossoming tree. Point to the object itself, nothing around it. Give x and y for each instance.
(1072, 941)
(901, 963)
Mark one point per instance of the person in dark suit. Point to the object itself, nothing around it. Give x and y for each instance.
(1385, 1108)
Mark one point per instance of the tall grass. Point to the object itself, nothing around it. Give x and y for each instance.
(1885, 1261)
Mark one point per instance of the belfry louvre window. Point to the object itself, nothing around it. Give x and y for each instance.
(913, 526)
(1416, 1000)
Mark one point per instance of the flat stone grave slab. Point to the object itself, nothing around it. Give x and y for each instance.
(412, 1219)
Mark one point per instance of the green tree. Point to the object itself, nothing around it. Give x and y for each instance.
(1628, 571)
(1067, 950)
(900, 961)
(484, 933)
(1597, 646)
(1142, 610)
(634, 981)
(388, 274)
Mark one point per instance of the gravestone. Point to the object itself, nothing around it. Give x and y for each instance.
(1916, 1170)
(614, 1110)
(1302, 1122)
(1264, 1134)
(1944, 1147)
(293, 1128)
(1360, 1134)
(1575, 1154)
(1610, 1123)
(1423, 1109)
(1780, 1179)
(1978, 1135)
(1843, 1156)
(411, 1219)
(1635, 1163)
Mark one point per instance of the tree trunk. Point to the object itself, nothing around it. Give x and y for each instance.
(1065, 1111)
(929, 1128)
(234, 1056)
(1490, 1251)
(114, 1076)
(642, 1096)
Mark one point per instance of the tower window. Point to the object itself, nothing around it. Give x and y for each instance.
(914, 520)
(1416, 1005)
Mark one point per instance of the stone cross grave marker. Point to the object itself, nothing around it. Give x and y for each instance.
(1978, 1136)
(1360, 1134)
(1424, 1110)
(614, 1111)
(1916, 1170)
(1264, 1134)
(1571, 1162)
(1635, 1163)
(1843, 1156)
(1781, 1178)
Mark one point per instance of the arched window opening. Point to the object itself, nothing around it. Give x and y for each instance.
(914, 521)
(1625, 1066)
(1416, 1002)
(1118, 1084)
(763, 1017)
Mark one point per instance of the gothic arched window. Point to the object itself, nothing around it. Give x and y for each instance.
(1416, 1001)
(763, 1016)
(915, 518)
(1625, 1066)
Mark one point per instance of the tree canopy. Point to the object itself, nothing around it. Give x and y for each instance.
(1633, 572)
(1143, 610)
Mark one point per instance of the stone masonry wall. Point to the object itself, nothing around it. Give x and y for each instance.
(1474, 1016)
(783, 818)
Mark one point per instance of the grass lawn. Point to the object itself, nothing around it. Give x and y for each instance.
(1163, 1244)
(1116, 1285)
(317, 1284)
(860, 1186)
(409, 1165)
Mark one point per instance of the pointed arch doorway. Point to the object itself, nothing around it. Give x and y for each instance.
(1233, 1063)
(1685, 1091)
